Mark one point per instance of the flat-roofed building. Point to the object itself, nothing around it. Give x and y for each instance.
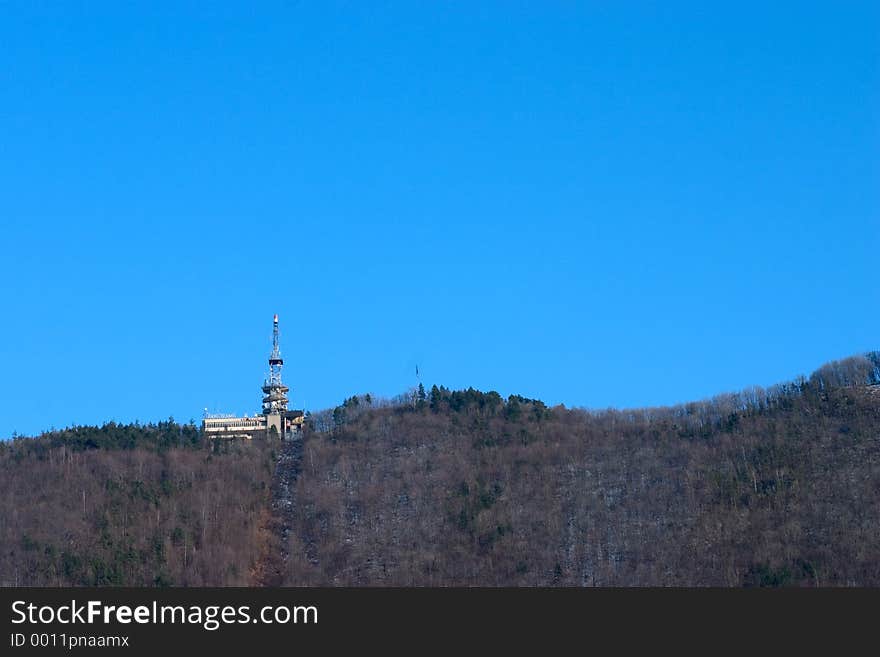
(230, 426)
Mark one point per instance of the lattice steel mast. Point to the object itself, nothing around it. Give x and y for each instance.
(275, 401)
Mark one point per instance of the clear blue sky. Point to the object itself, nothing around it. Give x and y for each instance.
(599, 204)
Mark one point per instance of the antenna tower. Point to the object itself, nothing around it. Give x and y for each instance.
(275, 400)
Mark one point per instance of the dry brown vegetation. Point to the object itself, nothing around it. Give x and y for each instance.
(78, 511)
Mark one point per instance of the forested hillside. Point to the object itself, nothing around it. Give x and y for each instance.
(131, 505)
(767, 487)
(773, 487)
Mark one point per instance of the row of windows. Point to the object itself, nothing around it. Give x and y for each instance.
(235, 423)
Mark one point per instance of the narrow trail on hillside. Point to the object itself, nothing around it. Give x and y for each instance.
(274, 552)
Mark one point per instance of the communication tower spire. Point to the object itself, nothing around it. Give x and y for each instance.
(275, 400)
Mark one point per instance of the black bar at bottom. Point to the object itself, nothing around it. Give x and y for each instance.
(549, 621)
